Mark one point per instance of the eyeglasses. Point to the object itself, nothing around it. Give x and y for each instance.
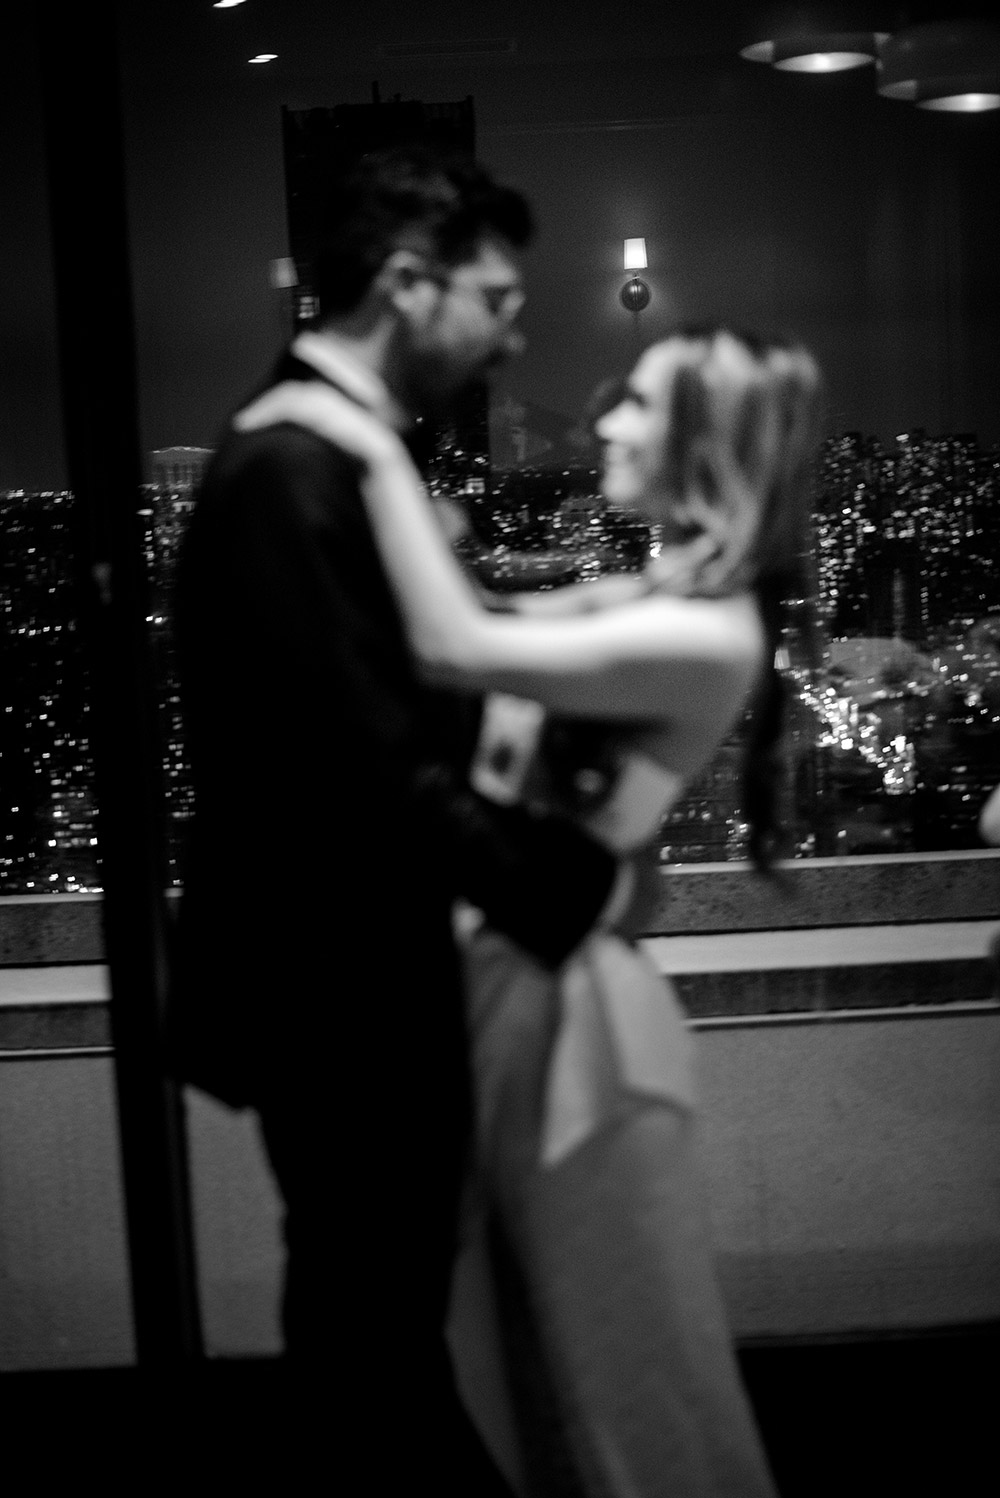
(502, 300)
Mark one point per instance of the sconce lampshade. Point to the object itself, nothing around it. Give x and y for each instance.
(635, 254)
(947, 65)
(815, 38)
(283, 273)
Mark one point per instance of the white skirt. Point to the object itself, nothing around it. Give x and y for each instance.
(588, 1329)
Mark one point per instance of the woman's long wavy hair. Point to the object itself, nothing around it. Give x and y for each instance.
(742, 430)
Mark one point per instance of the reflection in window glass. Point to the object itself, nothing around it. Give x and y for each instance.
(862, 227)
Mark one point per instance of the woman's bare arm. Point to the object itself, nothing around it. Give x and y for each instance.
(989, 819)
(647, 659)
(581, 598)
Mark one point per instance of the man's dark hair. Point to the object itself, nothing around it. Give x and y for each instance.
(414, 198)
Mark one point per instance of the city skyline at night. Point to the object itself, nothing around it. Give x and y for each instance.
(904, 542)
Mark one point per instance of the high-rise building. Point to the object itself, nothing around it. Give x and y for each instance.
(179, 467)
(905, 541)
(47, 809)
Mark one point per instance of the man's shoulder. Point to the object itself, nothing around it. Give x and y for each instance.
(278, 468)
(283, 443)
(283, 459)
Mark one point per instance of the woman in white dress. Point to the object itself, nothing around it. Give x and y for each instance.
(621, 1373)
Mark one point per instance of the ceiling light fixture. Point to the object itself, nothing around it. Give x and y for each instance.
(945, 65)
(828, 53)
(263, 57)
(815, 38)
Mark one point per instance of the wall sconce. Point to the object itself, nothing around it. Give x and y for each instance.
(634, 295)
(948, 65)
(815, 38)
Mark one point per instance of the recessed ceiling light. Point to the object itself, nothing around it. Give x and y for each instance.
(263, 57)
(225, 4)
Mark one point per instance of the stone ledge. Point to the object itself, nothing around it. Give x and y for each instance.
(820, 947)
(811, 892)
(55, 1027)
(795, 991)
(757, 976)
(50, 928)
(857, 891)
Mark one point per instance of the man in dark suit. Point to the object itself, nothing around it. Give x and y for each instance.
(316, 974)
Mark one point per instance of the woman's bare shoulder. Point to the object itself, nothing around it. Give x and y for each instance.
(728, 629)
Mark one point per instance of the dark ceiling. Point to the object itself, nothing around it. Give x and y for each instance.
(196, 43)
(312, 37)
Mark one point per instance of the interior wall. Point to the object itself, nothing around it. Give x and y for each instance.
(64, 1286)
(851, 1170)
(790, 203)
(805, 204)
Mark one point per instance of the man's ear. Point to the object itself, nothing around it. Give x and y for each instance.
(405, 283)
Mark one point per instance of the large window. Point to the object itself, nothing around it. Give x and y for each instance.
(803, 205)
(782, 202)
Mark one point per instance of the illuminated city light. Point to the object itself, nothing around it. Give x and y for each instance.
(905, 542)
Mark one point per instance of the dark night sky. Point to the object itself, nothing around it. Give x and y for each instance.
(867, 227)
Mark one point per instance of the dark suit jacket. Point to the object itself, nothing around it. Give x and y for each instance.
(333, 824)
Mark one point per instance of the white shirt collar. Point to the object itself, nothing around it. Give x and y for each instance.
(329, 357)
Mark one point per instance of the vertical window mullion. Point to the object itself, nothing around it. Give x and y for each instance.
(84, 150)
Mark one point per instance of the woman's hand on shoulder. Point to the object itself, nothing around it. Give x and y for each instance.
(317, 407)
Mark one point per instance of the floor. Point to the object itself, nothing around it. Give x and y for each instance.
(911, 1416)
